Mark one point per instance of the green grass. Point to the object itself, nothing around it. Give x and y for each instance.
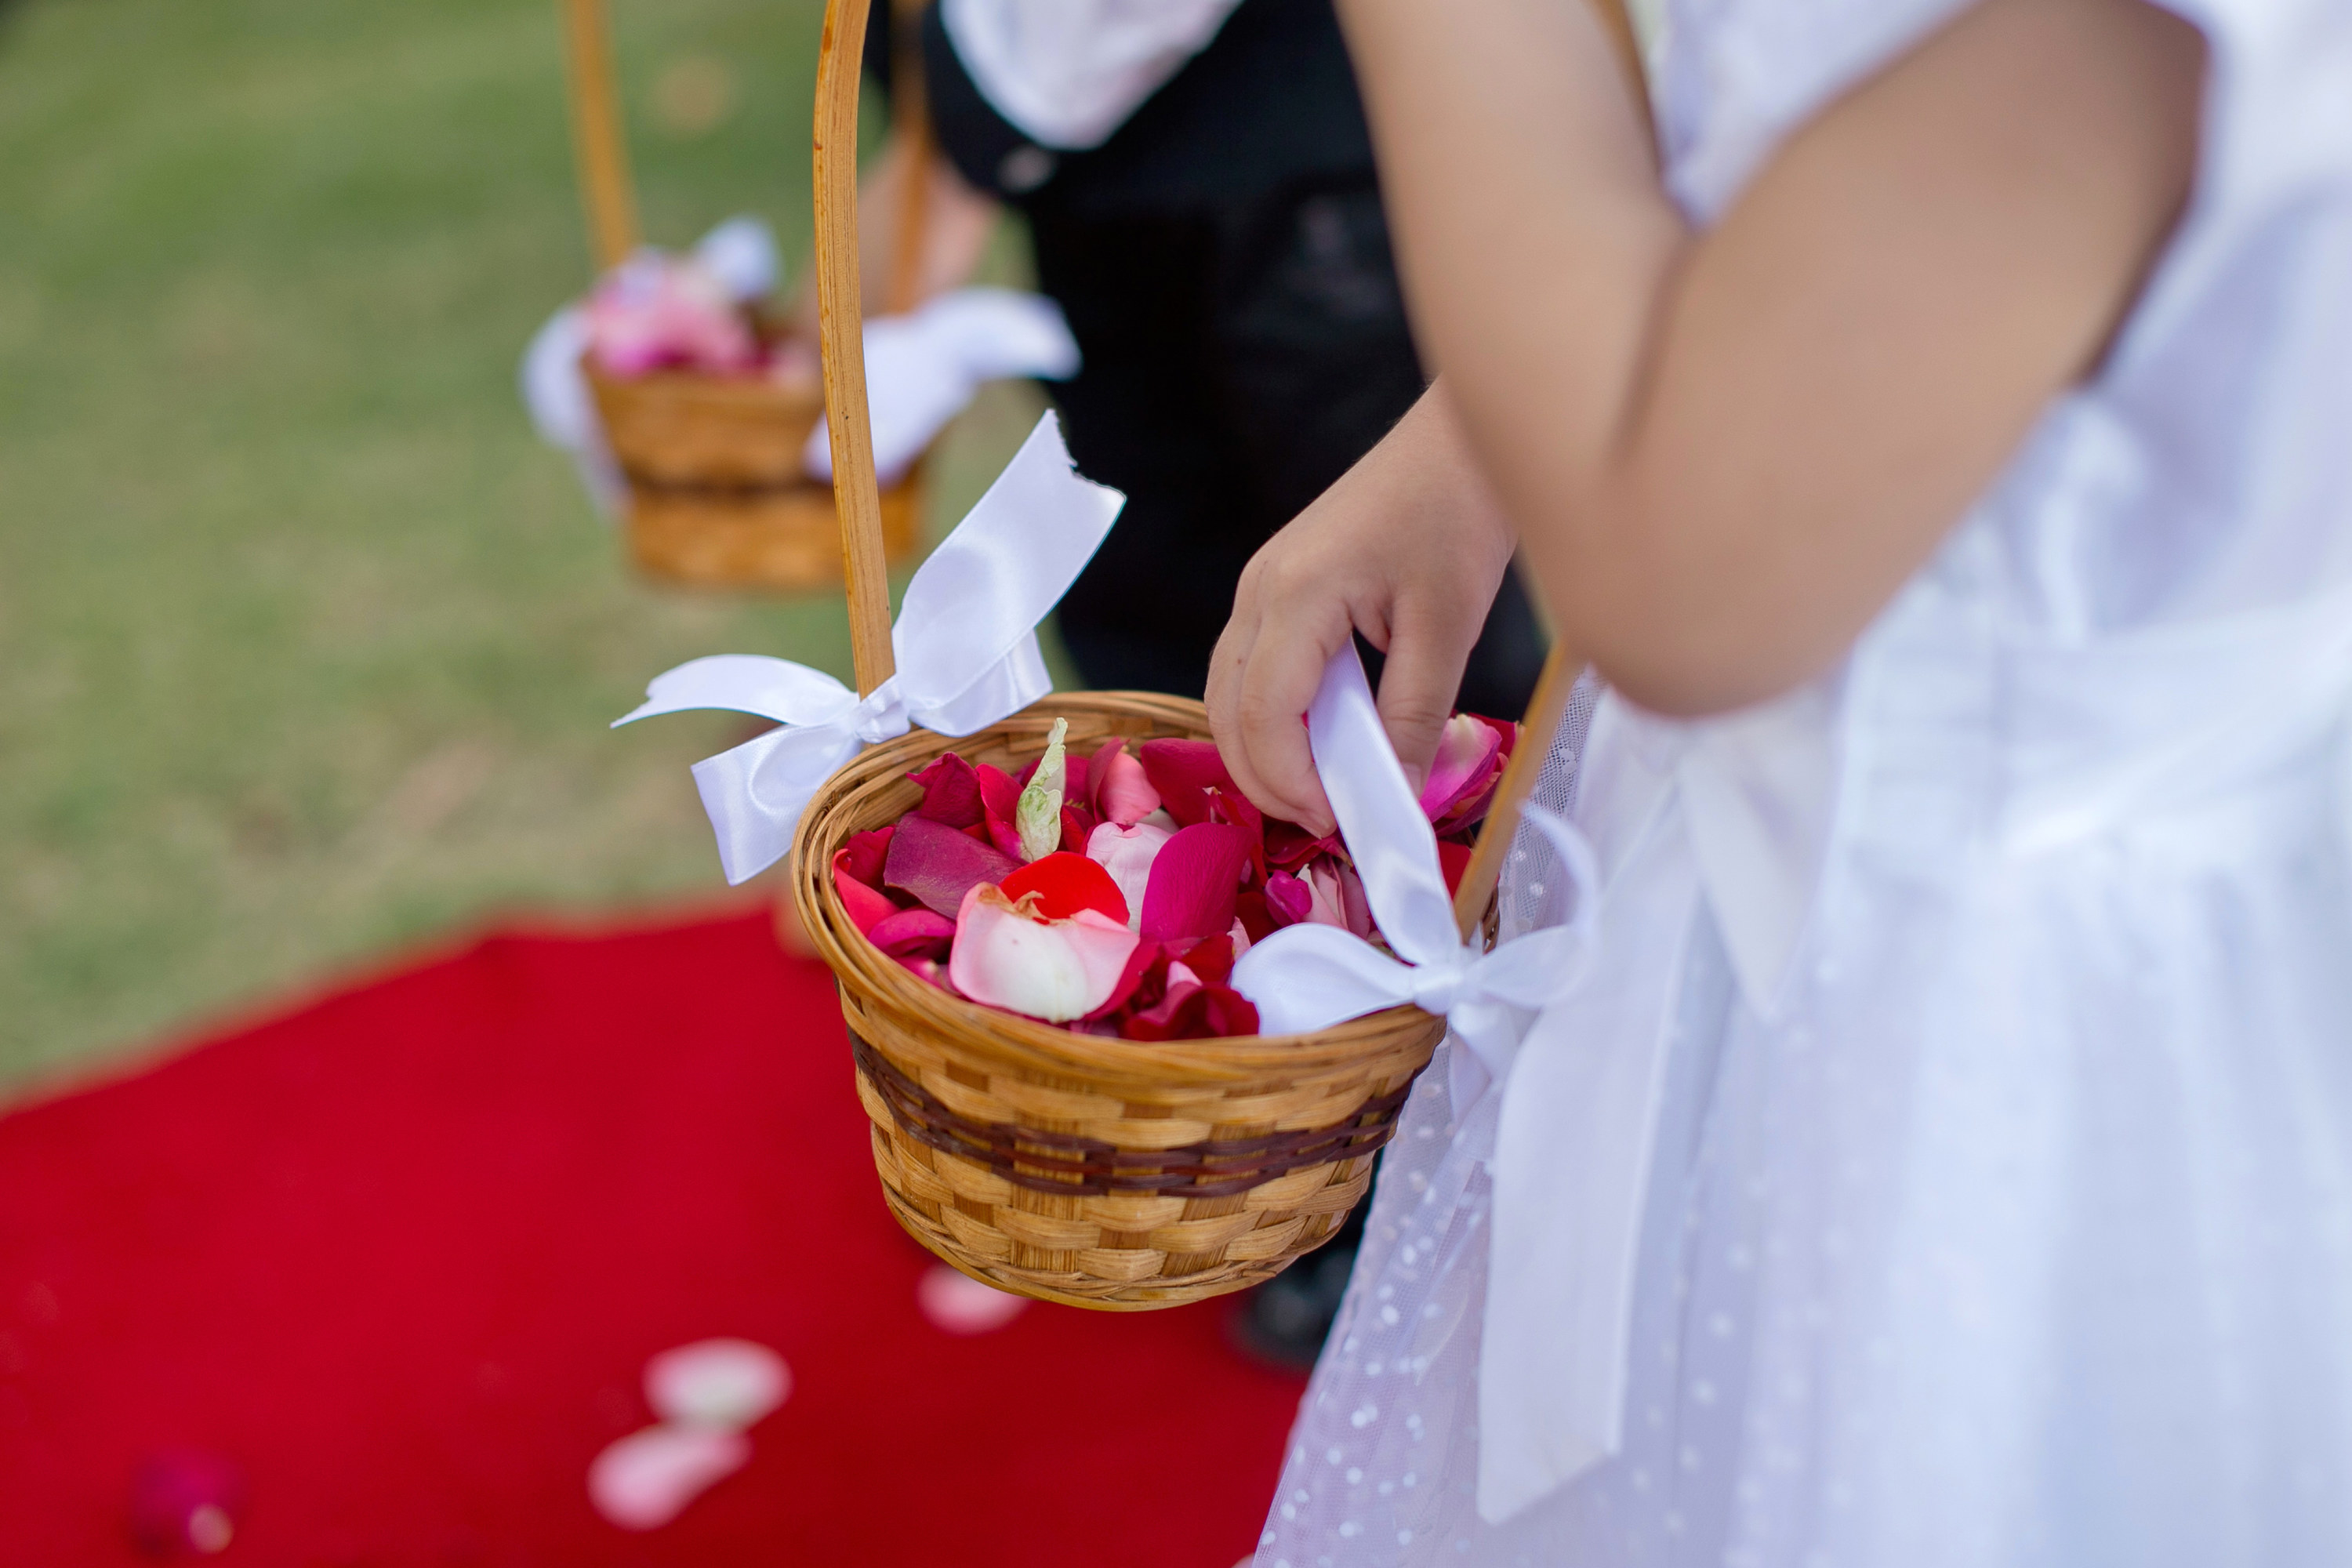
(307, 647)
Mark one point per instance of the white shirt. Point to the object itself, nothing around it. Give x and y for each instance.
(1070, 72)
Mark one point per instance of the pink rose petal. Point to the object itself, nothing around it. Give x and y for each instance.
(645, 1479)
(1054, 970)
(958, 1304)
(1127, 853)
(1125, 794)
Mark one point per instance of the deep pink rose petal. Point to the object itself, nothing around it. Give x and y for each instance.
(1288, 900)
(913, 933)
(1183, 772)
(865, 907)
(1468, 751)
(1195, 879)
(936, 864)
(951, 792)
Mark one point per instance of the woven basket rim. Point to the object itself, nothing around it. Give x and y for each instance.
(750, 389)
(1028, 1042)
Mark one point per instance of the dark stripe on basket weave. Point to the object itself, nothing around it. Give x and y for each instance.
(1074, 1166)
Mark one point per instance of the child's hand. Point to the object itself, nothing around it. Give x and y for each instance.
(1409, 548)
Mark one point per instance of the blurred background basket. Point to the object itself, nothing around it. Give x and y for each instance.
(1099, 1172)
(717, 493)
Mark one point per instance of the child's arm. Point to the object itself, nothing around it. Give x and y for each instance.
(1725, 451)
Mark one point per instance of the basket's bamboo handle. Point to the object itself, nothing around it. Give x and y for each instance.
(1541, 726)
(856, 498)
(596, 133)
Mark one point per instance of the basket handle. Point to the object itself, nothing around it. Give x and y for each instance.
(856, 497)
(604, 155)
(602, 149)
(1560, 671)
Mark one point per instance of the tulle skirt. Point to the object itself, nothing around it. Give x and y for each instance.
(2024, 1236)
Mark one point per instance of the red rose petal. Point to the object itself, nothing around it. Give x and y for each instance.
(951, 792)
(1066, 883)
(862, 855)
(1183, 772)
(1455, 860)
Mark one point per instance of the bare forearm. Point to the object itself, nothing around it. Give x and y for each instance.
(1531, 229)
(1724, 451)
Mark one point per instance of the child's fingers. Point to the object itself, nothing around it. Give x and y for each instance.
(1262, 729)
(1425, 660)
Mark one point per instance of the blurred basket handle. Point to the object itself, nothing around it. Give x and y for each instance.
(600, 147)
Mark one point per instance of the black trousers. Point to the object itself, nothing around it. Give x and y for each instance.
(1237, 360)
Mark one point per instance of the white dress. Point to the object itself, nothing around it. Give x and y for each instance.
(1985, 1010)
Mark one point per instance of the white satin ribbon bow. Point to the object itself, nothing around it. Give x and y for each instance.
(1311, 976)
(965, 641)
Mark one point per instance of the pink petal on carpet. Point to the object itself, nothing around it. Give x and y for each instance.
(958, 1304)
(645, 1479)
(724, 1384)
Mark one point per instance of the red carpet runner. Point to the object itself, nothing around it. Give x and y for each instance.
(402, 1255)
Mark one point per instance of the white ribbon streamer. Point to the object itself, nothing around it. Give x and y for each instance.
(923, 368)
(1309, 976)
(966, 644)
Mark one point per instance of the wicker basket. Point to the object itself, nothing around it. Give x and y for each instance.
(1107, 1174)
(1110, 1173)
(717, 494)
(717, 497)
